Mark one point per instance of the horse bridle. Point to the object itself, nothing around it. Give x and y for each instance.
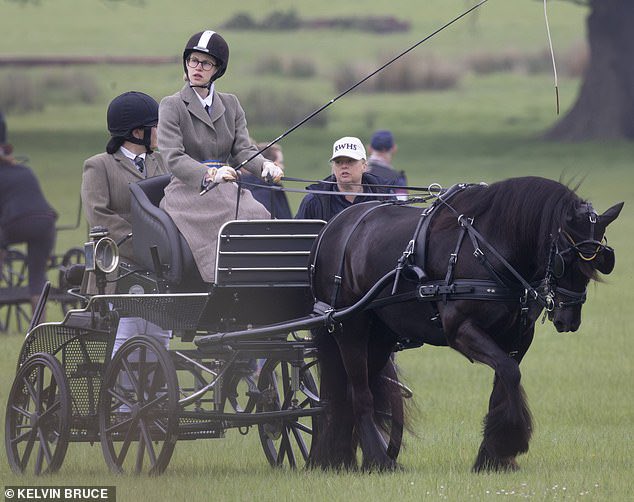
(556, 267)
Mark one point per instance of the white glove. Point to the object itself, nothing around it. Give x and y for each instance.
(271, 172)
(221, 175)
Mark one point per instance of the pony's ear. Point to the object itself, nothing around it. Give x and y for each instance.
(611, 214)
(605, 261)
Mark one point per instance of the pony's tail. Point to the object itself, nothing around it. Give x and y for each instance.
(391, 406)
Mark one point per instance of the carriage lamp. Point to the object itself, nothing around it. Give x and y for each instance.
(102, 253)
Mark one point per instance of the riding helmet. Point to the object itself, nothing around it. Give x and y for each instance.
(128, 111)
(131, 110)
(208, 42)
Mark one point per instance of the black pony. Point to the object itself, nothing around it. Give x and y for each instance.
(473, 272)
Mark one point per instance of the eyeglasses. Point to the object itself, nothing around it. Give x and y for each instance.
(194, 62)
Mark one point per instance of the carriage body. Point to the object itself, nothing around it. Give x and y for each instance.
(70, 387)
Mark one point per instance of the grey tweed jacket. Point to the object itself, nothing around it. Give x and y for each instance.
(105, 194)
(187, 136)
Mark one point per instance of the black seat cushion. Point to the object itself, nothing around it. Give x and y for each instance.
(151, 226)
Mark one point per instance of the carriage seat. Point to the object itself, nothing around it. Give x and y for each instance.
(151, 226)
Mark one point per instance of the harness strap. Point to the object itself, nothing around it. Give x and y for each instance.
(338, 277)
(477, 252)
(461, 289)
(423, 226)
(421, 232)
(530, 289)
(453, 259)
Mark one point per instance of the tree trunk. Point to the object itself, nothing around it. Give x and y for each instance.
(605, 106)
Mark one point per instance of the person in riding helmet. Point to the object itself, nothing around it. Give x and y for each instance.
(129, 157)
(132, 119)
(349, 165)
(202, 133)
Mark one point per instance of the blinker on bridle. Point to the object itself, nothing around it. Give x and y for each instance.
(557, 264)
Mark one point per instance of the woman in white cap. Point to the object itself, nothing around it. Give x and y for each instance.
(349, 175)
(201, 132)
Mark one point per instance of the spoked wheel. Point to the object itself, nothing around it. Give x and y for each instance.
(286, 441)
(37, 425)
(14, 290)
(138, 414)
(74, 256)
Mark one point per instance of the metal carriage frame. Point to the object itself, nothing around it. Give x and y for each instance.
(141, 400)
(138, 402)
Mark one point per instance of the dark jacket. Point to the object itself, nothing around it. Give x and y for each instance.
(274, 200)
(323, 207)
(385, 171)
(21, 195)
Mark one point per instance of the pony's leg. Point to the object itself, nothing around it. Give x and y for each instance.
(508, 424)
(334, 446)
(353, 346)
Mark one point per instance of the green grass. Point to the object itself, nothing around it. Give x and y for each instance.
(487, 129)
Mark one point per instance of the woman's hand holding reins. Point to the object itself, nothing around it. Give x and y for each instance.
(271, 172)
(220, 175)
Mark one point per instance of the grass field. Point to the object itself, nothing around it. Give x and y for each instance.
(486, 129)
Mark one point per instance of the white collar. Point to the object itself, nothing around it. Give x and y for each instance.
(210, 97)
(131, 155)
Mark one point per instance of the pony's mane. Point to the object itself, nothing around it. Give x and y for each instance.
(530, 208)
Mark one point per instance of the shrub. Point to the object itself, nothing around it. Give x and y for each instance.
(301, 68)
(511, 60)
(280, 20)
(283, 109)
(23, 92)
(18, 94)
(241, 21)
(286, 67)
(270, 65)
(405, 75)
(69, 87)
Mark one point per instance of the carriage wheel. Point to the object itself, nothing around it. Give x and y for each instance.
(138, 412)
(286, 441)
(37, 425)
(14, 282)
(74, 256)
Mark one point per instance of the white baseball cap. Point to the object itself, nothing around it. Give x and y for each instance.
(348, 146)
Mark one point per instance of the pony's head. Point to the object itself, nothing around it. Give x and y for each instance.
(579, 250)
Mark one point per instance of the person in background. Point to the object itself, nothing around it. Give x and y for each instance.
(132, 119)
(382, 149)
(275, 201)
(200, 129)
(25, 215)
(349, 164)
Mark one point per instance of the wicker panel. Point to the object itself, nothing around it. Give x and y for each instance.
(176, 311)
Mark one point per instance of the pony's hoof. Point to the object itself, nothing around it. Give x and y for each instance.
(488, 464)
(386, 466)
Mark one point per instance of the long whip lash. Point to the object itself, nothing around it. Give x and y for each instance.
(552, 55)
(320, 109)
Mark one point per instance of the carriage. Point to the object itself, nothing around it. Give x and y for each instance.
(69, 387)
(364, 292)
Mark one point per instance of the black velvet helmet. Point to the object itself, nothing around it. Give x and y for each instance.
(128, 111)
(208, 42)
